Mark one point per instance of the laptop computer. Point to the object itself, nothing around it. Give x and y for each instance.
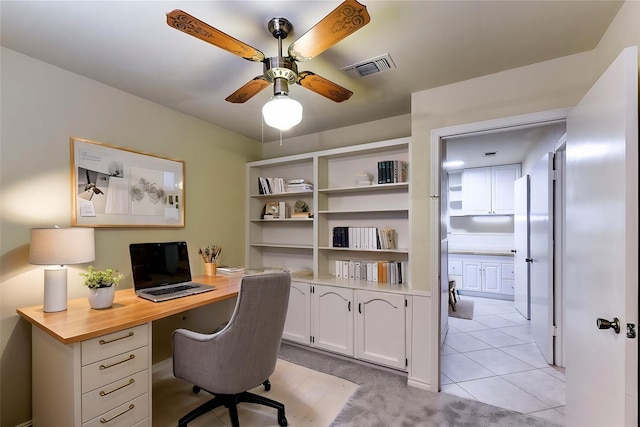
(161, 271)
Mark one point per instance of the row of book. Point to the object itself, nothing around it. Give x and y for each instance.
(373, 271)
(390, 171)
(267, 185)
(364, 237)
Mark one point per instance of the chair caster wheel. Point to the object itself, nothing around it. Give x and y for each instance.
(267, 385)
(196, 389)
(283, 421)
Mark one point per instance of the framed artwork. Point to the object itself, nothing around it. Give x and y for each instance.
(272, 209)
(116, 187)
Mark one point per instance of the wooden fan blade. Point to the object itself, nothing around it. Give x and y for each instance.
(324, 87)
(194, 27)
(247, 91)
(344, 20)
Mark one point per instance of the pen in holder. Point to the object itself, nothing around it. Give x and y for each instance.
(210, 255)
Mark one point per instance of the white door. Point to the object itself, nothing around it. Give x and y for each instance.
(541, 246)
(602, 249)
(444, 289)
(521, 240)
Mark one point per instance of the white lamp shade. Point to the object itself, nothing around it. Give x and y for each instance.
(60, 246)
(282, 112)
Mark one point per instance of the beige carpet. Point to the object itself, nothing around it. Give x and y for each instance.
(311, 398)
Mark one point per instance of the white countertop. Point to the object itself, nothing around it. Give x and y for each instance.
(486, 252)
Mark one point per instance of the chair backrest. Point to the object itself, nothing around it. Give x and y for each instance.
(252, 337)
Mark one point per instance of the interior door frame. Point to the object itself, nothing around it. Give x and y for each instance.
(437, 135)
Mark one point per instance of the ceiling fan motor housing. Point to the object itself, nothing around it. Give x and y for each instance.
(279, 27)
(278, 67)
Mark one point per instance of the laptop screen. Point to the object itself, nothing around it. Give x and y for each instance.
(157, 264)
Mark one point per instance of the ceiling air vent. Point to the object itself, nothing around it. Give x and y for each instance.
(490, 153)
(370, 66)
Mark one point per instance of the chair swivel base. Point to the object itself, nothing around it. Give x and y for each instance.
(230, 401)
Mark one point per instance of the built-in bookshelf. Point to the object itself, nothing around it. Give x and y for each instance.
(345, 192)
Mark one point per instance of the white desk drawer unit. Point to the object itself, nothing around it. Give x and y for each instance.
(134, 413)
(115, 378)
(118, 342)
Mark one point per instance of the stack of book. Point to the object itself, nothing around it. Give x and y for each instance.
(298, 185)
(226, 270)
(391, 171)
(364, 237)
(393, 272)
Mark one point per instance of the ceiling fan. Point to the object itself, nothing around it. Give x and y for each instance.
(280, 70)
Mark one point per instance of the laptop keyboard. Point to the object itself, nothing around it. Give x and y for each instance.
(171, 290)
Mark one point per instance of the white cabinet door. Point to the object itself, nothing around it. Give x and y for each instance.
(471, 276)
(297, 326)
(489, 191)
(476, 191)
(502, 197)
(332, 324)
(380, 328)
(491, 277)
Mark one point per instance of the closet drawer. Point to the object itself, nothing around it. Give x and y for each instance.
(118, 342)
(114, 368)
(455, 267)
(508, 271)
(126, 415)
(114, 394)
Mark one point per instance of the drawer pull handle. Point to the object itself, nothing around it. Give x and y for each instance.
(103, 342)
(104, 421)
(104, 393)
(131, 357)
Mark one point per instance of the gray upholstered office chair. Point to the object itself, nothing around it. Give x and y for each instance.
(242, 355)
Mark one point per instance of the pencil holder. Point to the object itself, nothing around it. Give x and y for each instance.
(209, 268)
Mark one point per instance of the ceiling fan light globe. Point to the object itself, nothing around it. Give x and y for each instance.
(282, 112)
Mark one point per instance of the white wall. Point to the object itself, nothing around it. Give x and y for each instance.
(380, 130)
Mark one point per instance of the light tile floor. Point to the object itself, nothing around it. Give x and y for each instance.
(493, 359)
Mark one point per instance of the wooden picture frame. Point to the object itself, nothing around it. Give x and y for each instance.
(272, 210)
(117, 187)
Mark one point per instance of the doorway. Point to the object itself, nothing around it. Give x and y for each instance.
(486, 135)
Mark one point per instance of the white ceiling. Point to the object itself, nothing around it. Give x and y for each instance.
(510, 146)
(128, 45)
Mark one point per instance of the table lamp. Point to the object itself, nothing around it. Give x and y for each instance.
(55, 248)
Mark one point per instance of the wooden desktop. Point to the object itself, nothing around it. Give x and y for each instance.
(93, 367)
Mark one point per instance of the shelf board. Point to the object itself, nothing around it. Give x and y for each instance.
(285, 194)
(363, 188)
(283, 220)
(282, 245)
(361, 211)
(395, 251)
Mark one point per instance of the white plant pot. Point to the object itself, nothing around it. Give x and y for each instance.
(101, 297)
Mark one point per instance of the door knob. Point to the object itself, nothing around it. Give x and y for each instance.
(606, 324)
(528, 259)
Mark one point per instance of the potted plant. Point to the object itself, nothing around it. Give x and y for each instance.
(101, 286)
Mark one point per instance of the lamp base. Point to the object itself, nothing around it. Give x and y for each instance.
(55, 289)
